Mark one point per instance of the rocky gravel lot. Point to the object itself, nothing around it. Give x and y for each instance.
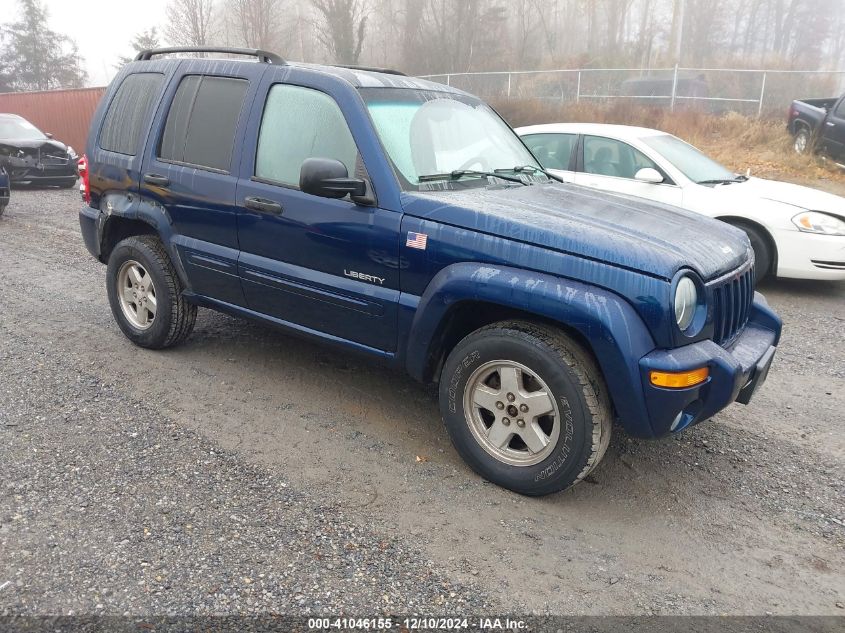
(251, 472)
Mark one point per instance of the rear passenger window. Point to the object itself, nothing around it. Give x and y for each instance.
(129, 112)
(203, 118)
(300, 123)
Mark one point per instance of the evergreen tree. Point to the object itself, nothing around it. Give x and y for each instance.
(145, 40)
(33, 57)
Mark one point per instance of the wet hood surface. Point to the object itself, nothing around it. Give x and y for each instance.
(620, 230)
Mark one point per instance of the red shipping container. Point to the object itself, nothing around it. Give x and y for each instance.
(66, 114)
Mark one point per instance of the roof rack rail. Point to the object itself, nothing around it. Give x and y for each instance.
(369, 69)
(263, 56)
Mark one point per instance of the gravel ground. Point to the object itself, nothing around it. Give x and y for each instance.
(141, 515)
(250, 472)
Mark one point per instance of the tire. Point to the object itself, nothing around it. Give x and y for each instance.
(2, 208)
(165, 319)
(761, 245)
(802, 141)
(545, 359)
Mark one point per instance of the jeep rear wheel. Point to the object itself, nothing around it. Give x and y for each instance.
(526, 407)
(145, 294)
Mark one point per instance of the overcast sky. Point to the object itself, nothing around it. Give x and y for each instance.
(101, 28)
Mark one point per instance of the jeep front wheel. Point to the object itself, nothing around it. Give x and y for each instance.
(526, 407)
(145, 294)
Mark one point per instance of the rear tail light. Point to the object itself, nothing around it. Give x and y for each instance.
(85, 185)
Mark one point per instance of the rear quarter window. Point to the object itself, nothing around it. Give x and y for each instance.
(129, 112)
(202, 122)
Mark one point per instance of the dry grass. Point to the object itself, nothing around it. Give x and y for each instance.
(737, 141)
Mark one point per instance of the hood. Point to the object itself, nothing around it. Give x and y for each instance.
(620, 230)
(785, 193)
(48, 145)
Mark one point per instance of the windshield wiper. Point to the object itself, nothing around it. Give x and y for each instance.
(532, 169)
(722, 181)
(460, 173)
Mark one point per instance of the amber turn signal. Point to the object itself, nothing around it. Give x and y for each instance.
(679, 380)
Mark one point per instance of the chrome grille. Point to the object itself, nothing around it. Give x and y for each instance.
(731, 298)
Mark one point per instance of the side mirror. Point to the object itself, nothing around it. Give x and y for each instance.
(329, 178)
(649, 175)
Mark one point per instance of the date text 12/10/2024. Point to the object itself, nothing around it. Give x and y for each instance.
(416, 624)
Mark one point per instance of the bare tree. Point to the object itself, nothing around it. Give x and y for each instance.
(189, 22)
(343, 28)
(257, 23)
(412, 33)
(436, 36)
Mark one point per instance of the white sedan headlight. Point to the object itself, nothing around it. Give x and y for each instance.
(815, 222)
(686, 301)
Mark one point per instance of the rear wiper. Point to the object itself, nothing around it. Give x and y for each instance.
(460, 173)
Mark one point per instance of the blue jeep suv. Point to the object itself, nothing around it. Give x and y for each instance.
(405, 220)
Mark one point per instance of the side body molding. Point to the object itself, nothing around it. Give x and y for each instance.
(609, 324)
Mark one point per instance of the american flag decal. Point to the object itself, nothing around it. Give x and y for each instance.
(417, 240)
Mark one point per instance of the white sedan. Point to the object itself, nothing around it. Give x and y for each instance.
(795, 231)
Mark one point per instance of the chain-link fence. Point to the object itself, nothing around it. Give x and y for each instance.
(751, 92)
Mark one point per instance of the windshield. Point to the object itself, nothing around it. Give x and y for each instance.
(19, 130)
(691, 162)
(429, 133)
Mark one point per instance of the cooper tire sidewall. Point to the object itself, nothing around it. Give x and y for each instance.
(156, 334)
(568, 458)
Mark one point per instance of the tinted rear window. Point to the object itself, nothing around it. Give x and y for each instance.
(201, 124)
(129, 112)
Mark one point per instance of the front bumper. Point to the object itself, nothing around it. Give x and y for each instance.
(46, 177)
(735, 373)
(810, 256)
(32, 171)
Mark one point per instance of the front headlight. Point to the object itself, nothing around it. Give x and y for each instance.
(686, 301)
(71, 152)
(815, 222)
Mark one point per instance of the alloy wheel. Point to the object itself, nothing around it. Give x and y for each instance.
(136, 294)
(512, 413)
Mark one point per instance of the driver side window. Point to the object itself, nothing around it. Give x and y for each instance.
(609, 157)
(300, 123)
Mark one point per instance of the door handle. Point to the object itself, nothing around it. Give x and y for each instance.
(155, 179)
(830, 124)
(263, 205)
